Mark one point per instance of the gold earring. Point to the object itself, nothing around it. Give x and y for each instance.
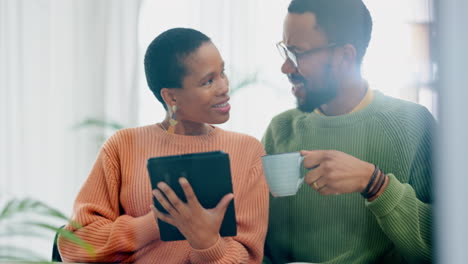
(173, 120)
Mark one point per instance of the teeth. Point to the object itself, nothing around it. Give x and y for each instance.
(221, 105)
(299, 85)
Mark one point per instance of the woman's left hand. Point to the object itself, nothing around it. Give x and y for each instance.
(200, 226)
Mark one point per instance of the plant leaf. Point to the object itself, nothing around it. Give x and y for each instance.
(66, 234)
(21, 231)
(7, 209)
(75, 239)
(19, 254)
(98, 123)
(31, 228)
(16, 206)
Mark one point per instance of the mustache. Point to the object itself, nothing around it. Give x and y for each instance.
(295, 78)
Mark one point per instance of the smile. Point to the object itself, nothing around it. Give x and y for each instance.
(221, 105)
(298, 89)
(222, 108)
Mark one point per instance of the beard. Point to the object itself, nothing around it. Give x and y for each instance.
(317, 94)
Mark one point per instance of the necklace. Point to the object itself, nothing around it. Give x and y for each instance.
(162, 127)
(208, 130)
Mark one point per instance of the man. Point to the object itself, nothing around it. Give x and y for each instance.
(368, 192)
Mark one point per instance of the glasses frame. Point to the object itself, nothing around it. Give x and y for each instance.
(294, 56)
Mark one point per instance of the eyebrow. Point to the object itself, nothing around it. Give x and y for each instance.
(290, 47)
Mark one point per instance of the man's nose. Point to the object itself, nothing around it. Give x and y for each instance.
(288, 67)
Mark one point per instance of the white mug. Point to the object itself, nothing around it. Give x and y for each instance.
(283, 173)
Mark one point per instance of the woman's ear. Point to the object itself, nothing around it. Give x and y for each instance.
(168, 96)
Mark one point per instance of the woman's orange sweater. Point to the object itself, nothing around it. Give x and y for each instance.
(113, 206)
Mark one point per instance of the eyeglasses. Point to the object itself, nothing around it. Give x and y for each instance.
(294, 56)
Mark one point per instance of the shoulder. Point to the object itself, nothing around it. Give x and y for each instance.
(400, 106)
(281, 129)
(240, 145)
(285, 117)
(239, 138)
(128, 137)
(283, 123)
(405, 123)
(404, 114)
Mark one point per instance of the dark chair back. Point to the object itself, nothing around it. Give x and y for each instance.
(55, 252)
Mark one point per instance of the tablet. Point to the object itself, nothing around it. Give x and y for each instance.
(209, 174)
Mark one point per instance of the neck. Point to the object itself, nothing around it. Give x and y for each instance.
(349, 94)
(189, 128)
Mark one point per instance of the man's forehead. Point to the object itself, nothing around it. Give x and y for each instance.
(302, 29)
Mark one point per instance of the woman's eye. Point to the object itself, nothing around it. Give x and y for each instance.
(209, 82)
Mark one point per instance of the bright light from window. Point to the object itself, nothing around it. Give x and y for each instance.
(246, 31)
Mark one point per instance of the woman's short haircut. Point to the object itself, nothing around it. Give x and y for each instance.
(165, 57)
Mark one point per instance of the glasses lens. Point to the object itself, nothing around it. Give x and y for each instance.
(292, 57)
(281, 50)
(286, 54)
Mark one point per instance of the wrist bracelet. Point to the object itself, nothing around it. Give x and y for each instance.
(380, 185)
(365, 193)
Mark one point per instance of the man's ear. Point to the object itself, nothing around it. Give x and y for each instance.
(349, 55)
(168, 95)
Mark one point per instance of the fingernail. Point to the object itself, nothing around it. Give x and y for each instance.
(183, 180)
(161, 185)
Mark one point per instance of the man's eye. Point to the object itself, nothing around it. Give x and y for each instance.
(298, 54)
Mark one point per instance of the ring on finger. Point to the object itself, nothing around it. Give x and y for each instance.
(316, 187)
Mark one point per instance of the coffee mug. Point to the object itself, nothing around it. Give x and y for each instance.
(283, 173)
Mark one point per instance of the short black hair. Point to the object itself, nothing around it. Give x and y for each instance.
(343, 21)
(165, 56)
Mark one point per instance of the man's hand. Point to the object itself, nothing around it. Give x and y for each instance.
(336, 172)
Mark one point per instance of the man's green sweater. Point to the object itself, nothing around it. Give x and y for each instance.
(396, 227)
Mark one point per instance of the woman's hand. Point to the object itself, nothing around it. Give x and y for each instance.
(200, 226)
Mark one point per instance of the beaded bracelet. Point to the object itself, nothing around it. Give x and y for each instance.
(365, 193)
(378, 185)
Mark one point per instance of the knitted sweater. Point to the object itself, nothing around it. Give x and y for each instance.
(113, 206)
(396, 227)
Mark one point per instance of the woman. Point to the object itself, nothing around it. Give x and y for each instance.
(185, 72)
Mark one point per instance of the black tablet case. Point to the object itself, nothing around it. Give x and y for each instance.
(209, 174)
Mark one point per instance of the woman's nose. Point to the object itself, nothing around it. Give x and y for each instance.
(224, 86)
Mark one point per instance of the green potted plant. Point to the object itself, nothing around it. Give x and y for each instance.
(30, 218)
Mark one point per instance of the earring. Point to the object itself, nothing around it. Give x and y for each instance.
(172, 121)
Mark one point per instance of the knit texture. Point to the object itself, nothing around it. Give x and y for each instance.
(113, 206)
(395, 135)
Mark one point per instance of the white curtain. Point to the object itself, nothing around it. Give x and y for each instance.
(61, 62)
